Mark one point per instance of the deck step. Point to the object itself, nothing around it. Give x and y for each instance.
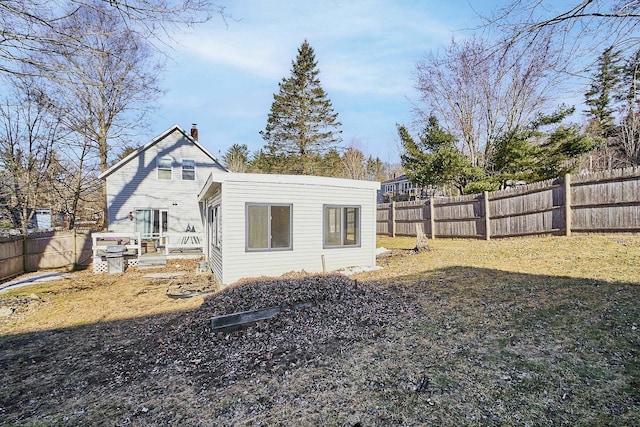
(151, 261)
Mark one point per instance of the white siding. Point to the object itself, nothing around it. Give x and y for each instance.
(307, 201)
(214, 254)
(136, 185)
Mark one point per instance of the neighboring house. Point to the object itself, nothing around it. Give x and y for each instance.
(267, 225)
(401, 189)
(397, 189)
(153, 191)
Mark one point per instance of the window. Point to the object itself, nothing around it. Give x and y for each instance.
(215, 227)
(188, 170)
(152, 223)
(341, 226)
(165, 165)
(268, 227)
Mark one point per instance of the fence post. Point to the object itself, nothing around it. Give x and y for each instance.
(75, 250)
(25, 248)
(487, 218)
(567, 204)
(432, 217)
(393, 218)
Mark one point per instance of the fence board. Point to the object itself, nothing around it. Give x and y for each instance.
(44, 251)
(602, 201)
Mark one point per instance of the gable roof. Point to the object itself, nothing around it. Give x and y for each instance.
(153, 142)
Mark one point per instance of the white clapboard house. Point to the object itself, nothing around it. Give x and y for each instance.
(173, 198)
(267, 225)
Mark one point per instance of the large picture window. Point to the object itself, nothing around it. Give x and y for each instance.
(165, 165)
(268, 226)
(341, 226)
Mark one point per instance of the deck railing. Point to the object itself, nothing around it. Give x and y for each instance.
(132, 242)
(169, 243)
(179, 242)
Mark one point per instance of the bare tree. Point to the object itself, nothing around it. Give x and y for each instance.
(26, 24)
(78, 186)
(376, 170)
(28, 136)
(629, 127)
(354, 162)
(105, 92)
(630, 139)
(479, 95)
(585, 25)
(102, 93)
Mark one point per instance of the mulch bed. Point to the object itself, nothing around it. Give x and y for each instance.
(341, 313)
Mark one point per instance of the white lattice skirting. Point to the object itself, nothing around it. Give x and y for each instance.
(100, 265)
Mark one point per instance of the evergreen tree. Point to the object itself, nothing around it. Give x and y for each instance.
(534, 154)
(302, 126)
(237, 157)
(541, 150)
(601, 96)
(435, 160)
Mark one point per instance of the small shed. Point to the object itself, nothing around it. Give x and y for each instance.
(267, 225)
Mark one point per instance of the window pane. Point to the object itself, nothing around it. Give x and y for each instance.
(352, 228)
(280, 226)
(332, 226)
(189, 170)
(143, 222)
(164, 167)
(165, 163)
(258, 227)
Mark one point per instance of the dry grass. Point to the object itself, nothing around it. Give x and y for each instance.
(87, 298)
(540, 331)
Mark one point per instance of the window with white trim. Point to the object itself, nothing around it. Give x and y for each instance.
(268, 226)
(188, 170)
(341, 226)
(165, 167)
(215, 227)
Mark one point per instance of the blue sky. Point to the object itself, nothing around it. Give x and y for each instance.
(223, 76)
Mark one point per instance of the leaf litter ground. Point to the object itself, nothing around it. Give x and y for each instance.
(463, 334)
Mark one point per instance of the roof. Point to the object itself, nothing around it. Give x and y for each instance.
(153, 142)
(258, 178)
(400, 178)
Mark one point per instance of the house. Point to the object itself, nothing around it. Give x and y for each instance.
(153, 191)
(172, 193)
(401, 189)
(398, 189)
(271, 224)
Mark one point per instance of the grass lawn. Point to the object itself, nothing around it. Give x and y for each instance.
(531, 331)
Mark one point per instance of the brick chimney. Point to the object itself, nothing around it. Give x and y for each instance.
(194, 131)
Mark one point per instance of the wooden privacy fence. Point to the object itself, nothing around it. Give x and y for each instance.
(606, 201)
(37, 251)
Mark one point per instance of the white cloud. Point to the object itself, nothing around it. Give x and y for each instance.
(223, 76)
(366, 46)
